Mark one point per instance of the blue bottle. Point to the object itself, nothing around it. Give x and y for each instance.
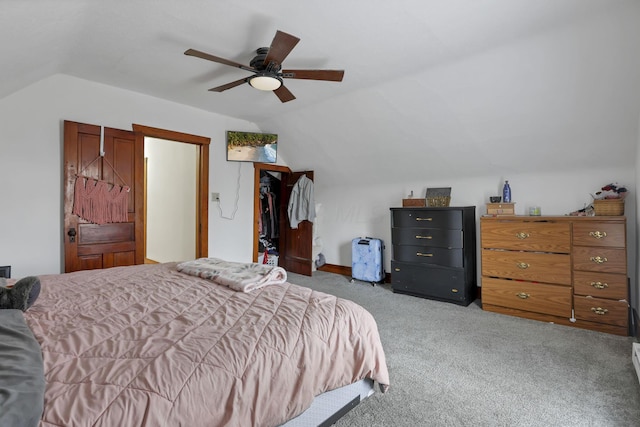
(506, 193)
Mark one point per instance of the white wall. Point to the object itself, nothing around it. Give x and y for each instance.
(31, 166)
(31, 179)
(171, 200)
(636, 284)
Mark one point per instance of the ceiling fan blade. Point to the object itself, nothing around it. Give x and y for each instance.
(284, 94)
(228, 85)
(331, 75)
(281, 46)
(203, 55)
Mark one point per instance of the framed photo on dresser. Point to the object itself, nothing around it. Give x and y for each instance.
(438, 197)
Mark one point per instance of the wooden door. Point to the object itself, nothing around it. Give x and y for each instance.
(295, 251)
(91, 246)
(297, 242)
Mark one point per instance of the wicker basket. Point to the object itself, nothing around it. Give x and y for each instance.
(609, 207)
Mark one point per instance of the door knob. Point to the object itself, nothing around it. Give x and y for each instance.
(72, 235)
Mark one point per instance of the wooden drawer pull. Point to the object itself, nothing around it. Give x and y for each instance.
(599, 310)
(522, 265)
(424, 219)
(522, 235)
(421, 254)
(523, 295)
(599, 285)
(598, 234)
(598, 259)
(424, 237)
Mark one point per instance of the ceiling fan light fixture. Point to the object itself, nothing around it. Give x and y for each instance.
(265, 82)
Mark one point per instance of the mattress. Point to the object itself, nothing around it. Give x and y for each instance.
(147, 345)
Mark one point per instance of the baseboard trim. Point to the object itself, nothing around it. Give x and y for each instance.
(337, 269)
(346, 271)
(635, 357)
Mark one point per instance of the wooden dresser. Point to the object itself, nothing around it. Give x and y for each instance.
(562, 269)
(434, 253)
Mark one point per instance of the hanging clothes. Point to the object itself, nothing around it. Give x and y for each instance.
(268, 220)
(302, 205)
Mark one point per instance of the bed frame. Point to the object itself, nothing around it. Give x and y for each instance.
(329, 407)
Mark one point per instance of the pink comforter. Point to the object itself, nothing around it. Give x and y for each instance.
(149, 346)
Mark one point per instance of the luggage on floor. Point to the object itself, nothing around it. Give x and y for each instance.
(367, 260)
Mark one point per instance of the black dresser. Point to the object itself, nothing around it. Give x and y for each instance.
(434, 253)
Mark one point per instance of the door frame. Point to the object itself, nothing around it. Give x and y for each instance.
(292, 249)
(202, 183)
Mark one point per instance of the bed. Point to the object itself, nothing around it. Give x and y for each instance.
(149, 345)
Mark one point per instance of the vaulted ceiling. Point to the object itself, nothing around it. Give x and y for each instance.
(435, 86)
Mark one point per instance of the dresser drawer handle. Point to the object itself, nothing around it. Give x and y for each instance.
(599, 285)
(421, 254)
(396, 269)
(522, 235)
(599, 310)
(424, 219)
(598, 259)
(598, 234)
(424, 237)
(522, 295)
(522, 265)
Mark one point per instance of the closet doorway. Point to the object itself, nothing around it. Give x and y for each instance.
(271, 230)
(192, 221)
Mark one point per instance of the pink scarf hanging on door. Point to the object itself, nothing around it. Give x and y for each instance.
(95, 202)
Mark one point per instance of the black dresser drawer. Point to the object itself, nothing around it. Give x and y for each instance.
(442, 238)
(429, 255)
(435, 282)
(434, 252)
(423, 218)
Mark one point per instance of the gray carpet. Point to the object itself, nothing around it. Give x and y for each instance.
(462, 366)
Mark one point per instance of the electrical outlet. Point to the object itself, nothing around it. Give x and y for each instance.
(215, 197)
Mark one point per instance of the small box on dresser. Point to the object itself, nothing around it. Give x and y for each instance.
(434, 253)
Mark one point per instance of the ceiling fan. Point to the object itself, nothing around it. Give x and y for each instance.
(267, 68)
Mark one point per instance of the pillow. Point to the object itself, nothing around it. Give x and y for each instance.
(22, 380)
(21, 295)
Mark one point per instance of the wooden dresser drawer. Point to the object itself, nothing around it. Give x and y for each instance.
(525, 235)
(427, 237)
(429, 255)
(601, 310)
(601, 285)
(422, 218)
(534, 297)
(605, 260)
(599, 234)
(535, 267)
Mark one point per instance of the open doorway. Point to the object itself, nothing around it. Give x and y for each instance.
(170, 193)
(196, 226)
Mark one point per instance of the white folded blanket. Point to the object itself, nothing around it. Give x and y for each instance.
(243, 277)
